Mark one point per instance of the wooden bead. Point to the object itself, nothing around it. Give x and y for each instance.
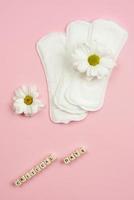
(23, 179)
(66, 160)
(37, 169)
(17, 182)
(76, 153)
(71, 157)
(42, 165)
(82, 150)
(47, 161)
(28, 176)
(52, 157)
(32, 172)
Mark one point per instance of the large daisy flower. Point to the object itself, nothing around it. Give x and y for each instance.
(26, 101)
(93, 59)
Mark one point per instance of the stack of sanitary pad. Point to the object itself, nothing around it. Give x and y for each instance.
(73, 94)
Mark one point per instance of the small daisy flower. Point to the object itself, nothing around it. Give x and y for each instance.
(26, 101)
(94, 60)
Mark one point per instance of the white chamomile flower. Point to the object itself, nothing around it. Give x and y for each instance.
(94, 60)
(26, 101)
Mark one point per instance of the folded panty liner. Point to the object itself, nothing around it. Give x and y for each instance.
(52, 52)
(78, 90)
(71, 94)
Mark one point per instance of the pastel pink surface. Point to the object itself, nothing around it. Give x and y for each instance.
(107, 171)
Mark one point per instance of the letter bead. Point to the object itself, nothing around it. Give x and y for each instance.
(42, 165)
(28, 176)
(47, 161)
(66, 160)
(82, 150)
(52, 157)
(32, 172)
(37, 168)
(71, 157)
(23, 179)
(18, 182)
(76, 153)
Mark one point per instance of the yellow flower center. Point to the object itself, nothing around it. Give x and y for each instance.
(28, 100)
(93, 60)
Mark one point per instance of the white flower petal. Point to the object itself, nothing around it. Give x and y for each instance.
(18, 107)
(33, 92)
(107, 62)
(19, 92)
(28, 110)
(38, 103)
(79, 54)
(19, 100)
(85, 49)
(93, 47)
(88, 72)
(15, 97)
(94, 72)
(82, 67)
(102, 71)
(101, 50)
(35, 108)
(76, 63)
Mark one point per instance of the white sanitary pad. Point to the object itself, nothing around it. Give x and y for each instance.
(71, 93)
(51, 50)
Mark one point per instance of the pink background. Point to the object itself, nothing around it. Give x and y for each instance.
(107, 171)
